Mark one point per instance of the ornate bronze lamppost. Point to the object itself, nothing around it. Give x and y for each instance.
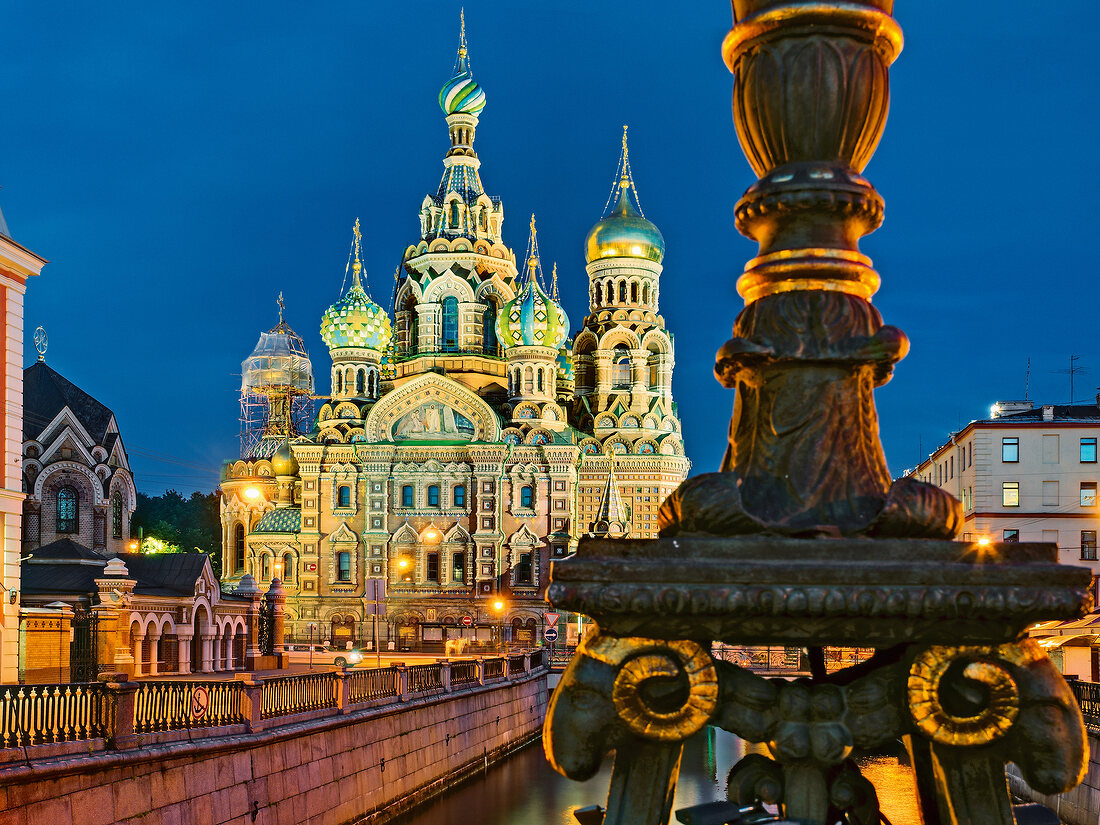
(803, 539)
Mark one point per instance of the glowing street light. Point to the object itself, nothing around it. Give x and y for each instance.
(498, 606)
(252, 493)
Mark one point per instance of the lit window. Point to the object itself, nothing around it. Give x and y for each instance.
(1010, 450)
(526, 496)
(459, 495)
(1011, 535)
(345, 497)
(116, 515)
(450, 324)
(343, 567)
(1088, 450)
(433, 495)
(265, 568)
(1088, 545)
(1010, 493)
(1088, 493)
(458, 567)
(68, 520)
(288, 567)
(407, 496)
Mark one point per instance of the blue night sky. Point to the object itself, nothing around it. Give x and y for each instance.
(181, 164)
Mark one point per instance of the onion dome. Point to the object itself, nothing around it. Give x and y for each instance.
(532, 318)
(355, 320)
(461, 94)
(624, 232)
(279, 362)
(283, 463)
(565, 363)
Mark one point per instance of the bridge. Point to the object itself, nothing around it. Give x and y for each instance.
(333, 748)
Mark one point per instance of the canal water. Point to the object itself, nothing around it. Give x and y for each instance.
(525, 790)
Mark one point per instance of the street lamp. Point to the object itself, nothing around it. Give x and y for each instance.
(252, 493)
(498, 606)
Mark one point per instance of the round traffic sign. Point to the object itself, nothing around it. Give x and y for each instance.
(550, 634)
(200, 701)
(467, 621)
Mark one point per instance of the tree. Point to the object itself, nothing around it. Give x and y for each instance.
(181, 525)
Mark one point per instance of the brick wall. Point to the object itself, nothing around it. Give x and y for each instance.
(324, 773)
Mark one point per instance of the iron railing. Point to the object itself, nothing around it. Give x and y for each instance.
(40, 714)
(425, 677)
(463, 673)
(494, 668)
(297, 694)
(1088, 697)
(515, 666)
(161, 706)
(377, 683)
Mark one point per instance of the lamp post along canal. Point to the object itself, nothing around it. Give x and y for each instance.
(803, 539)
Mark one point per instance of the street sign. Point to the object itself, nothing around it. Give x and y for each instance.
(550, 634)
(467, 621)
(551, 619)
(200, 701)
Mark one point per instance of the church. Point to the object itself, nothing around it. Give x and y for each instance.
(468, 439)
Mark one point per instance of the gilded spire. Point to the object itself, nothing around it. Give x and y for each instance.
(533, 250)
(356, 267)
(624, 179)
(462, 32)
(554, 282)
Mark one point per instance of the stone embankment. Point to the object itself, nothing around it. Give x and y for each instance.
(324, 749)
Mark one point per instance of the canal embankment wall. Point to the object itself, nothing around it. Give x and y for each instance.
(325, 749)
(1081, 806)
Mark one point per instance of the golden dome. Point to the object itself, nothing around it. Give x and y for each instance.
(283, 463)
(624, 233)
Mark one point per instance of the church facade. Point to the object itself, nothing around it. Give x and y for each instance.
(468, 441)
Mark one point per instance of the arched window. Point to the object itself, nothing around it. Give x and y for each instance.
(413, 321)
(654, 374)
(540, 379)
(360, 382)
(116, 515)
(610, 293)
(634, 292)
(489, 328)
(622, 292)
(450, 324)
(459, 495)
(407, 496)
(238, 547)
(344, 497)
(526, 496)
(372, 384)
(645, 294)
(528, 380)
(454, 214)
(343, 567)
(458, 567)
(523, 569)
(288, 567)
(68, 512)
(433, 495)
(266, 562)
(620, 369)
(339, 382)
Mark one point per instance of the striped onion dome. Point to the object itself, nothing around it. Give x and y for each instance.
(532, 319)
(355, 320)
(461, 94)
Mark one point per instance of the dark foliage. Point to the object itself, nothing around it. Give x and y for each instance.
(191, 524)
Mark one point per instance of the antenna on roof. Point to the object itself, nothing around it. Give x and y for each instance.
(1072, 371)
(1027, 380)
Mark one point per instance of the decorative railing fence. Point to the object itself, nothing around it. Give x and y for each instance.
(425, 677)
(296, 694)
(160, 706)
(48, 714)
(494, 668)
(41, 714)
(1088, 697)
(367, 685)
(463, 673)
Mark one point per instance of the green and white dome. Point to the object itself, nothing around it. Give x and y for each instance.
(355, 320)
(461, 94)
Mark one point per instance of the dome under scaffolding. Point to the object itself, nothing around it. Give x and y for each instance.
(276, 390)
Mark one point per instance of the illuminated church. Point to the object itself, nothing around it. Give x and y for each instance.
(466, 442)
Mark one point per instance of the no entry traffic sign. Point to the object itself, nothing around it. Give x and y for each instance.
(467, 621)
(550, 634)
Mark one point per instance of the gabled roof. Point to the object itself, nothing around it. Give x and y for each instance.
(64, 566)
(165, 574)
(46, 393)
(64, 550)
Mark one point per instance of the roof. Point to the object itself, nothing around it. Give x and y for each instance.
(64, 566)
(165, 574)
(1062, 412)
(280, 520)
(46, 393)
(4, 226)
(44, 579)
(64, 549)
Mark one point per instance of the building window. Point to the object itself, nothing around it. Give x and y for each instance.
(1010, 493)
(620, 370)
(1088, 450)
(1088, 493)
(489, 328)
(450, 324)
(1010, 450)
(407, 496)
(1011, 535)
(523, 569)
(344, 497)
(1088, 545)
(116, 515)
(458, 567)
(486, 486)
(486, 524)
(265, 568)
(288, 567)
(433, 567)
(68, 514)
(433, 495)
(343, 567)
(238, 545)
(459, 495)
(526, 496)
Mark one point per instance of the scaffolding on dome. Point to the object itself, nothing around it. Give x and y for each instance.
(276, 391)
